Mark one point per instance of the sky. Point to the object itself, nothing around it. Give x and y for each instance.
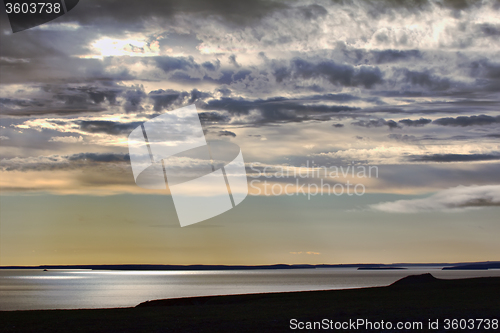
(407, 89)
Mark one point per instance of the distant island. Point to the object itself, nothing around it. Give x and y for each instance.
(360, 266)
(367, 268)
(475, 266)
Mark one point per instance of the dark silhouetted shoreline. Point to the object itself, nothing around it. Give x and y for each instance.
(417, 298)
(125, 267)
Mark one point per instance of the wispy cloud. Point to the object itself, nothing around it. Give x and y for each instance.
(450, 200)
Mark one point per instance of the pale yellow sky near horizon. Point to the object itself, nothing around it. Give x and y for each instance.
(143, 229)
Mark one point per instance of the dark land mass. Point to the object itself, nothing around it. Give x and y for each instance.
(417, 298)
(378, 268)
(246, 267)
(476, 266)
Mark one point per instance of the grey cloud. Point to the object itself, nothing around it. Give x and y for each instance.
(23, 103)
(376, 123)
(224, 91)
(170, 64)
(133, 99)
(277, 109)
(213, 117)
(313, 11)
(232, 60)
(108, 127)
(62, 99)
(423, 176)
(339, 74)
(415, 123)
(489, 29)
(227, 133)
(338, 125)
(99, 96)
(241, 75)
(391, 56)
(99, 157)
(485, 68)
(85, 95)
(454, 157)
(58, 162)
(453, 199)
(211, 66)
(426, 79)
(464, 121)
(402, 137)
(164, 99)
(133, 15)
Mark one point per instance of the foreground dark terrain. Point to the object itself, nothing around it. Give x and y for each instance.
(415, 298)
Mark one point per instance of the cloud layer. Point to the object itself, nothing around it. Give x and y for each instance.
(450, 200)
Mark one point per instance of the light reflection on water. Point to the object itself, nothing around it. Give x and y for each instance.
(71, 289)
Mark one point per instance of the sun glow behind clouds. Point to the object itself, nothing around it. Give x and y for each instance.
(109, 47)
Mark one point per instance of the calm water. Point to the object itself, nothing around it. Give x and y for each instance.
(73, 289)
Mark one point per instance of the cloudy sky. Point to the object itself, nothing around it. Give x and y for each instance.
(409, 87)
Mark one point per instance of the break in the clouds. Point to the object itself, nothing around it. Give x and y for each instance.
(389, 83)
(449, 200)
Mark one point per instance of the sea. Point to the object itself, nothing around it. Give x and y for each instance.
(35, 289)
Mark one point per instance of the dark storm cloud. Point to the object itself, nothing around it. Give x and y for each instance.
(402, 137)
(82, 96)
(454, 158)
(339, 74)
(62, 99)
(67, 162)
(278, 109)
(464, 121)
(98, 96)
(489, 29)
(485, 68)
(133, 99)
(244, 106)
(23, 103)
(108, 127)
(390, 56)
(232, 60)
(415, 123)
(133, 14)
(211, 66)
(426, 79)
(99, 157)
(312, 11)
(227, 133)
(213, 117)
(187, 71)
(164, 99)
(376, 123)
(377, 8)
(241, 75)
(169, 64)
